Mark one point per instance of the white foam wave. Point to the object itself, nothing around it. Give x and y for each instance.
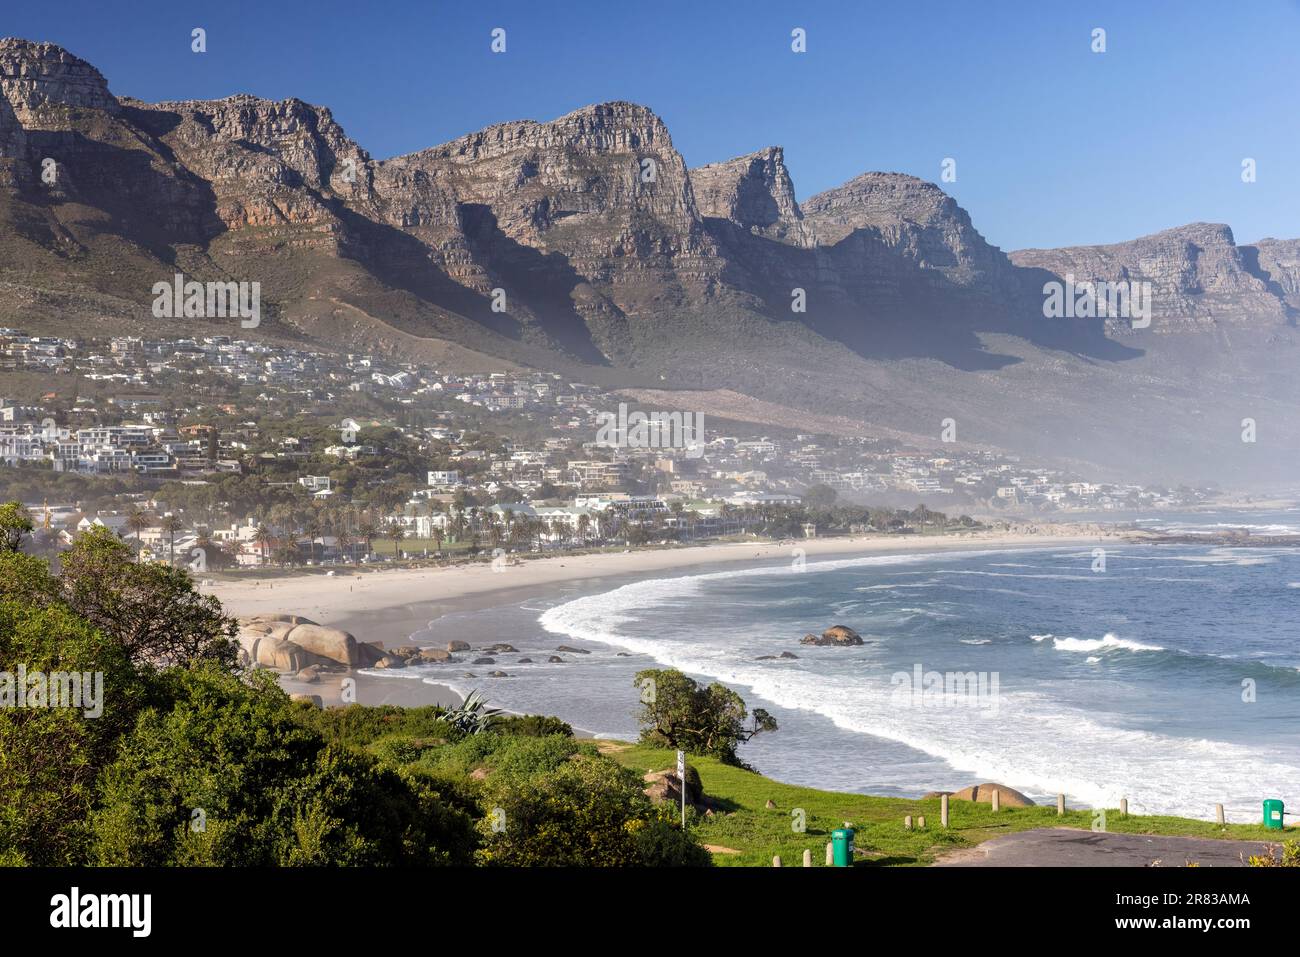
(1105, 643)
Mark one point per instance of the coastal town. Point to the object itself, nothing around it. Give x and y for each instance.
(255, 454)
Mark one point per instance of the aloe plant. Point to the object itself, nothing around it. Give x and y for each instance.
(473, 716)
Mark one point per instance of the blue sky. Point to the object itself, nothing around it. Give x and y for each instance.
(1054, 144)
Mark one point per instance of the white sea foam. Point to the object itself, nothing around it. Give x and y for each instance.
(1034, 742)
(1107, 642)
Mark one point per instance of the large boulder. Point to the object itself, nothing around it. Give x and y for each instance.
(280, 654)
(667, 786)
(458, 646)
(277, 616)
(332, 643)
(837, 635)
(435, 654)
(983, 793)
(369, 654)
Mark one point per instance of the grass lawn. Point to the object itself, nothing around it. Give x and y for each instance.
(743, 823)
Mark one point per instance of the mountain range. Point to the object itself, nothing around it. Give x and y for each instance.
(586, 245)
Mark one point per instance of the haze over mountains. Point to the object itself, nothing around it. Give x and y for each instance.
(679, 280)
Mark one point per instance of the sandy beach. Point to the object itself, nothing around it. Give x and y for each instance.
(347, 594)
(386, 606)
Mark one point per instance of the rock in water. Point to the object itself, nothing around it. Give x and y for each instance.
(841, 635)
(983, 793)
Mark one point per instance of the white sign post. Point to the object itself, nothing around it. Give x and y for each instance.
(681, 779)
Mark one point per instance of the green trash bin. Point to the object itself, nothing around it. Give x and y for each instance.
(842, 847)
(1273, 811)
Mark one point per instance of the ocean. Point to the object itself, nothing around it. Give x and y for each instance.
(1169, 675)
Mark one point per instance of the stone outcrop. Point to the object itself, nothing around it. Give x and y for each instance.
(666, 786)
(836, 635)
(291, 643)
(754, 192)
(983, 793)
(1200, 278)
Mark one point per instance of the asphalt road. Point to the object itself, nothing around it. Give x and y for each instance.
(1070, 847)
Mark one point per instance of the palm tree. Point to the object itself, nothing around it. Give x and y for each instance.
(436, 533)
(367, 529)
(343, 540)
(137, 521)
(584, 526)
(264, 537)
(171, 524)
(314, 530)
(396, 534)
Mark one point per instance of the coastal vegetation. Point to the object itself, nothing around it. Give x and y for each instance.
(188, 760)
(743, 830)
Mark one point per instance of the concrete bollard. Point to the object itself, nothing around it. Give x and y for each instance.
(907, 823)
(1218, 813)
(943, 810)
(776, 861)
(1123, 807)
(1060, 805)
(807, 858)
(830, 854)
(997, 800)
(920, 823)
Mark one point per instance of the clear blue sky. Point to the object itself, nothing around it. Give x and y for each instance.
(1054, 144)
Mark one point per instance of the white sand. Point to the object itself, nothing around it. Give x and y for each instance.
(349, 593)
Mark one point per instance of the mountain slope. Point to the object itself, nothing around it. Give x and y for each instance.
(586, 245)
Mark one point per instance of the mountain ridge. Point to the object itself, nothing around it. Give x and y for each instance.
(613, 260)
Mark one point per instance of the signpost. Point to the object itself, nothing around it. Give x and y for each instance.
(681, 779)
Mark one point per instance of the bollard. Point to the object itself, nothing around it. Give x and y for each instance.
(1060, 804)
(807, 858)
(920, 822)
(997, 800)
(907, 823)
(776, 861)
(1218, 813)
(943, 810)
(830, 854)
(1123, 807)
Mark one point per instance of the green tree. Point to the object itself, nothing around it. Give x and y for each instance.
(51, 757)
(586, 812)
(221, 773)
(679, 713)
(14, 524)
(137, 522)
(171, 524)
(152, 610)
(819, 496)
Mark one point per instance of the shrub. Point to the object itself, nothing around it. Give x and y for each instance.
(50, 757)
(532, 725)
(679, 713)
(226, 774)
(587, 811)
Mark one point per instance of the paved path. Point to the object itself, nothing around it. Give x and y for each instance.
(1070, 847)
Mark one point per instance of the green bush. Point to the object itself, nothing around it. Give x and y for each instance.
(226, 774)
(532, 726)
(50, 758)
(586, 812)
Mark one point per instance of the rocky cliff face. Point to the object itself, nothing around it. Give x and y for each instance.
(755, 193)
(916, 221)
(1277, 263)
(585, 243)
(1199, 277)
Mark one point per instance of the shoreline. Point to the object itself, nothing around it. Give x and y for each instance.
(388, 606)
